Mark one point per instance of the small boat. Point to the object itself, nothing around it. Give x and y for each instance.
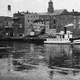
(76, 41)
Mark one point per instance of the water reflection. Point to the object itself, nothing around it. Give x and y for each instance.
(64, 56)
(4, 49)
(28, 56)
(76, 56)
(51, 74)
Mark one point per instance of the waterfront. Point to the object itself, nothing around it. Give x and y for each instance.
(40, 62)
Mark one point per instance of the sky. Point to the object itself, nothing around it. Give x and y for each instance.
(37, 5)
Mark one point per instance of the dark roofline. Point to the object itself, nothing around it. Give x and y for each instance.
(38, 20)
(5, 17)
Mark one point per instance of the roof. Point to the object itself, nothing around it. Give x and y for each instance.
(56, 12)
(60, 11)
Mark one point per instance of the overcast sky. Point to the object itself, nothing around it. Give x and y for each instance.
(37, 5)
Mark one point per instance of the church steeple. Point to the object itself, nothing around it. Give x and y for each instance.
(50, 7)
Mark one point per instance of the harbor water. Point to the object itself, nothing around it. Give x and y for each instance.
(45, 59)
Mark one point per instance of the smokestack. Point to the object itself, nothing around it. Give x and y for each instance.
(65, 30)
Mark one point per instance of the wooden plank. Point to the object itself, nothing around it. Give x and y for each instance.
(67, 69)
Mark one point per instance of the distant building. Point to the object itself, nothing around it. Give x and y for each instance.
(29, 19)
(6, 29)
(39, 26)
(50, 7)
(54, 19)
(59, 18)
(19, 24)
(23, 23)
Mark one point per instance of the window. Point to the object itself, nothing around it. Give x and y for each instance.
(28, 20)
(54, 21)
(20, 26)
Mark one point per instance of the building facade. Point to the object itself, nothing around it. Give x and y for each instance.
(23, 23)
(29, 19)
(39, 26)
(6, 29)
(55, 20)
(18, 24)
(59, 18)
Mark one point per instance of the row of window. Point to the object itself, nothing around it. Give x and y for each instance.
(31, 16)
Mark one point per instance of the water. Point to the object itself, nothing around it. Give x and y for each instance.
(25, 56)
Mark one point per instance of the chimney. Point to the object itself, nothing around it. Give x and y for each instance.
(65, 30)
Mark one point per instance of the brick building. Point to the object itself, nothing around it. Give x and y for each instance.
(18, 19)
(29, 19)
(39, 26)
(23, 23)
(59, 18)
(54, 19)
(6, 29)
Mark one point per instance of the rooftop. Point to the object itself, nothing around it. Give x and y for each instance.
(60, 12)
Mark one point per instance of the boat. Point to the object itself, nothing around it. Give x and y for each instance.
(61, 38)
(57, 41)
(76, 41)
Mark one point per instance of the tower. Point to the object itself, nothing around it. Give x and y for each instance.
(9, 10)
(50, 7)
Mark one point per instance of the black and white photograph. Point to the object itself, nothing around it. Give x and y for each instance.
(39, 40)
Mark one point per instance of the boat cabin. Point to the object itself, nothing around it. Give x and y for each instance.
(62, 35)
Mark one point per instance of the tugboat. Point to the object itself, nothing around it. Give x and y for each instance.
(61, 38)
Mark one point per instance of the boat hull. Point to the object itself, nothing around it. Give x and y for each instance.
(76, 42)
(56, 42)
(61, 42)
(53, 41)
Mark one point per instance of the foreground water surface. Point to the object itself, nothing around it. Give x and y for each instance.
(21, 54)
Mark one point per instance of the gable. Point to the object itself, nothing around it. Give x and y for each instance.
(60, 11)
